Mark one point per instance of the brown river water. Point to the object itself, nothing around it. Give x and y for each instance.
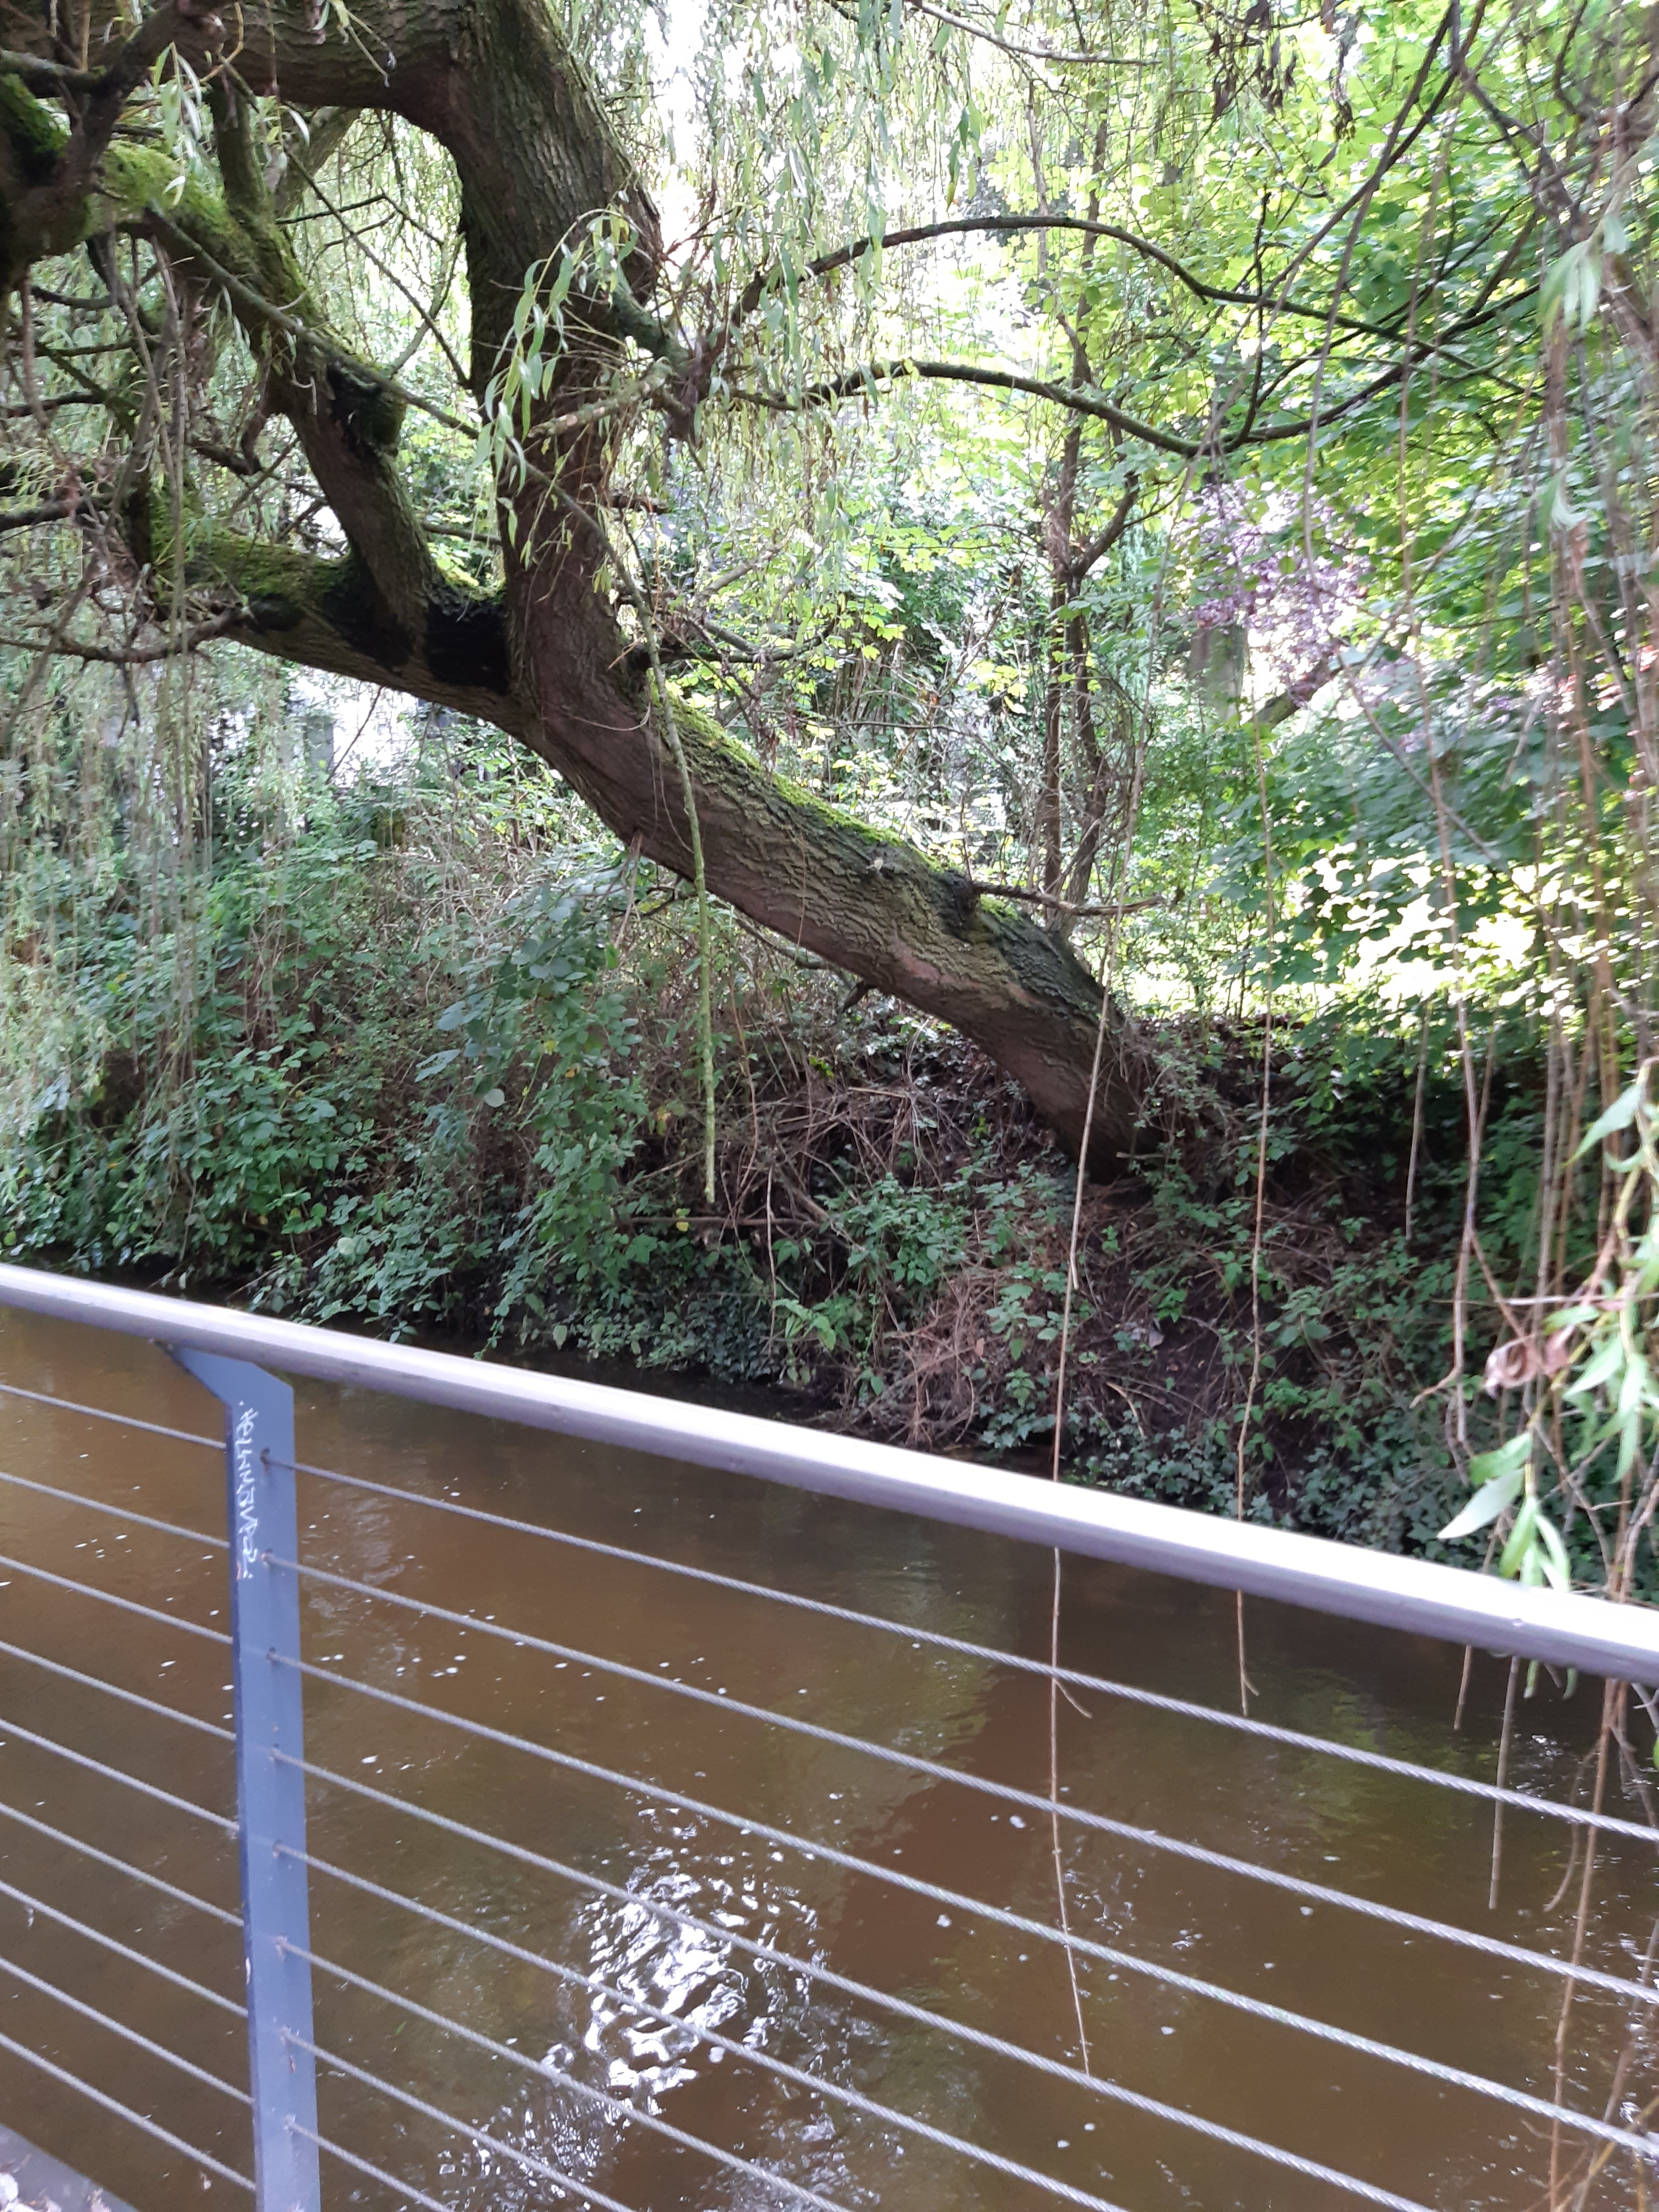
(1380, 1836)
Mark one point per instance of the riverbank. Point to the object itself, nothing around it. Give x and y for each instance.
(454, 1092)
(888, 1248)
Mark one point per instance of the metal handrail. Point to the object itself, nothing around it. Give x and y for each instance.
(920, 1636)
(1558, 1627)
(232, 1355)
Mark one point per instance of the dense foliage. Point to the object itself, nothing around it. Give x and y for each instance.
(438, 1074)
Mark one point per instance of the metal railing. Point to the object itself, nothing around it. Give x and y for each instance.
(603, 2117)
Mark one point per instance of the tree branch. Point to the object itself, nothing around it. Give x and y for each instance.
(1056, 55)
(322, 613)
(128, 656)
(349, 422)
(49, 213)
(391, 276)
(31, 518)
(263, 313)
(1295, 696)
(1081, 226)
(862, 380)
(1053, 903)
(57, 74)
(329, 127)
(1080, 563)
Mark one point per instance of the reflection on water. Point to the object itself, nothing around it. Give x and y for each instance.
(673, 1924)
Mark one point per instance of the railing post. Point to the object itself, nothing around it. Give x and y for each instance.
(271, 1794)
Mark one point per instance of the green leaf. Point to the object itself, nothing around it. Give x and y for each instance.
(1552, 1555)
(1634, 1386)
(1564, 515)
(1620, 1115)
(1513, 1454)
(1630, 1441)
(1572, 288)
(1519, 1546)
(1603, 1366)
(1483, 1507)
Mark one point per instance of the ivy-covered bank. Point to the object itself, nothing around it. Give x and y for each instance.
(409, 1060)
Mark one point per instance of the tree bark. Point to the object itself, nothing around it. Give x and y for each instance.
(550, 661)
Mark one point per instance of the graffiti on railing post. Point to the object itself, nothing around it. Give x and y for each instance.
(271, 1804)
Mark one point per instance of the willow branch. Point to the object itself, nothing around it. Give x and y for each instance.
(1011, 225)
(1078, 402)
(265, 312)
(31, 518)
(1052, 54)
(997, 379)
(429, 324)
(131, 656)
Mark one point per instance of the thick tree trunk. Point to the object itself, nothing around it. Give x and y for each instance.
(866, 902)
(552, 662)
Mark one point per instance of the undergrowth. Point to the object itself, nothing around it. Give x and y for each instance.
(397, 1102)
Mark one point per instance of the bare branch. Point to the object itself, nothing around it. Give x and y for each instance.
(128, 656)
(1058, 56)
(1295, 696)
(266, 311)
(51, 510)
(1049, 900)
(1081, 226)
(52, 402)
(427, 321)
(27, 65)
(1273, 303)
(1096, 548)
(863, 380)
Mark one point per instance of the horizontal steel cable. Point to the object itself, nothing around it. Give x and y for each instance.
(203, 2159)
(103, 1413)
(1005, 1793)
(364, 2165)
(116, 1512)
(526, 2161)
(114, 1690)
(1292, 1739)
(903, 2122)
(108, 1597)
(119, 2028)
(114, 1774)
(122, 1950)
(1126, 1962)
(117, 1866)
(620, 2109)
(764, 2059)
(769, 1954)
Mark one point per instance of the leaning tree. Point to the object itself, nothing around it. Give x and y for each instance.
(155, 175)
